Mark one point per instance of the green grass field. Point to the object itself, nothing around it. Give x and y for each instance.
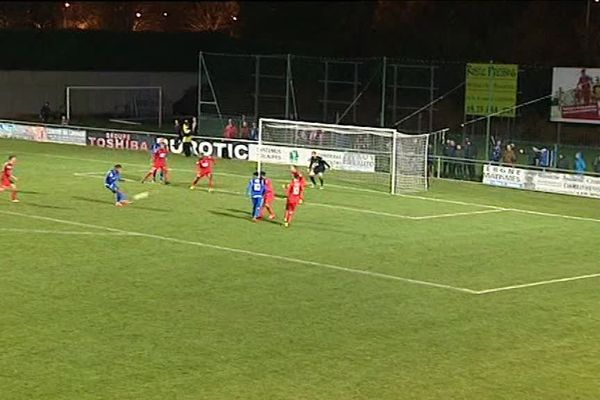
(366, 296)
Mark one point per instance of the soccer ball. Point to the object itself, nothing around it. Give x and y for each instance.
(140, 196)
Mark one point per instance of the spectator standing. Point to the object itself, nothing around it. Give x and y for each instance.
(177, 131)
(580, 165)
(194, 126)
(497, 152)
(596, 164)
(469, 153)
(187, 138)
(563, 163)
(254, 132)
(446, 152)
(45, 112)
(245, 131)
(509, 157)
(458, 166)
(230, 131)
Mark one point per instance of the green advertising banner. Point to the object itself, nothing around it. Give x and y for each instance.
(491, 88)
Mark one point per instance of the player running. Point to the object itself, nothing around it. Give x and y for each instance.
(269, 196)
(153, 149)
(111, 182)
(159, 163)
(8, 180)
(317, 166)
(256, 191)
(295, 194)
(204, 167)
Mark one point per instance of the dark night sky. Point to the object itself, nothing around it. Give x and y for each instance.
(520, 31)
(524, 32)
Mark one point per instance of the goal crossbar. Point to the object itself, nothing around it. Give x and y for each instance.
(359, 153)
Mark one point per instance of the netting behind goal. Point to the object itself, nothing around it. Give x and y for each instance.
(125, 105)
(360, 157)
(410, 163)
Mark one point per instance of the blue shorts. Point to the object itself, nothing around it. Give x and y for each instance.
(112, 188)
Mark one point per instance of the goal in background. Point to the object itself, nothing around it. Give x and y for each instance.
(365, 157)
(132, 105)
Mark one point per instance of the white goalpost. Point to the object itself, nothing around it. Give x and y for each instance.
(124, 104)
(366, 157)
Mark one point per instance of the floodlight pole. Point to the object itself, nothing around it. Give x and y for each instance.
(488, 123)
(199, 110)
(287, 85)
(68, 105)
(383, 85)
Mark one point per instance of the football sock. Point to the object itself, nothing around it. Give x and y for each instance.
(321, 180)
(312, 179)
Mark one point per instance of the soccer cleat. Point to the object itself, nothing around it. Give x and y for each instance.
(192, 187)
(321, 188)
(119, 204)
(286, 224)
(15, 200)
(272, 216)
(210, 190)
(312, 185)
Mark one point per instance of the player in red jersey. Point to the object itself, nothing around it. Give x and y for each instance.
(8, 180)
(204, 167)
(295, 194)
(159, 163)
(296, 173)
(269, 196)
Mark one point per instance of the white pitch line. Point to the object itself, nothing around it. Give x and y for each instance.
(458, 214)
(55, 232)
(408, 196)
(249, 252)
(540, 283)
(545, 214)
(351, 209)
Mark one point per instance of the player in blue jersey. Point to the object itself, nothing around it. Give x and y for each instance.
(256, 191)
(111, 182)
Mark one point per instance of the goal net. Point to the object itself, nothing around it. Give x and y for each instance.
(126, 105)
(360, 157)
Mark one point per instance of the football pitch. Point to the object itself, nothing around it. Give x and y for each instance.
(462, 292)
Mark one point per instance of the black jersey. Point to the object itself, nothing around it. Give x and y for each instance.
(318, 164)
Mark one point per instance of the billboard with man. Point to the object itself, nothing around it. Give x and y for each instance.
(576, 95)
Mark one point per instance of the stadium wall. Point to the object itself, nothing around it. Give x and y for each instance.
(24, 92)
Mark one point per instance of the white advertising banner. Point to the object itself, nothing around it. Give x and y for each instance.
(541, 181)
(42, 133)
(339, 160)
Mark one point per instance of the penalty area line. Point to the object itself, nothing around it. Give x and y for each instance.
(540, 283)
(251, 253)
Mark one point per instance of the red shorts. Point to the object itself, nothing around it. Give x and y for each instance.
(160, 167)
(291, 205)
(203, 172)
(269, 199)
(6, 183)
